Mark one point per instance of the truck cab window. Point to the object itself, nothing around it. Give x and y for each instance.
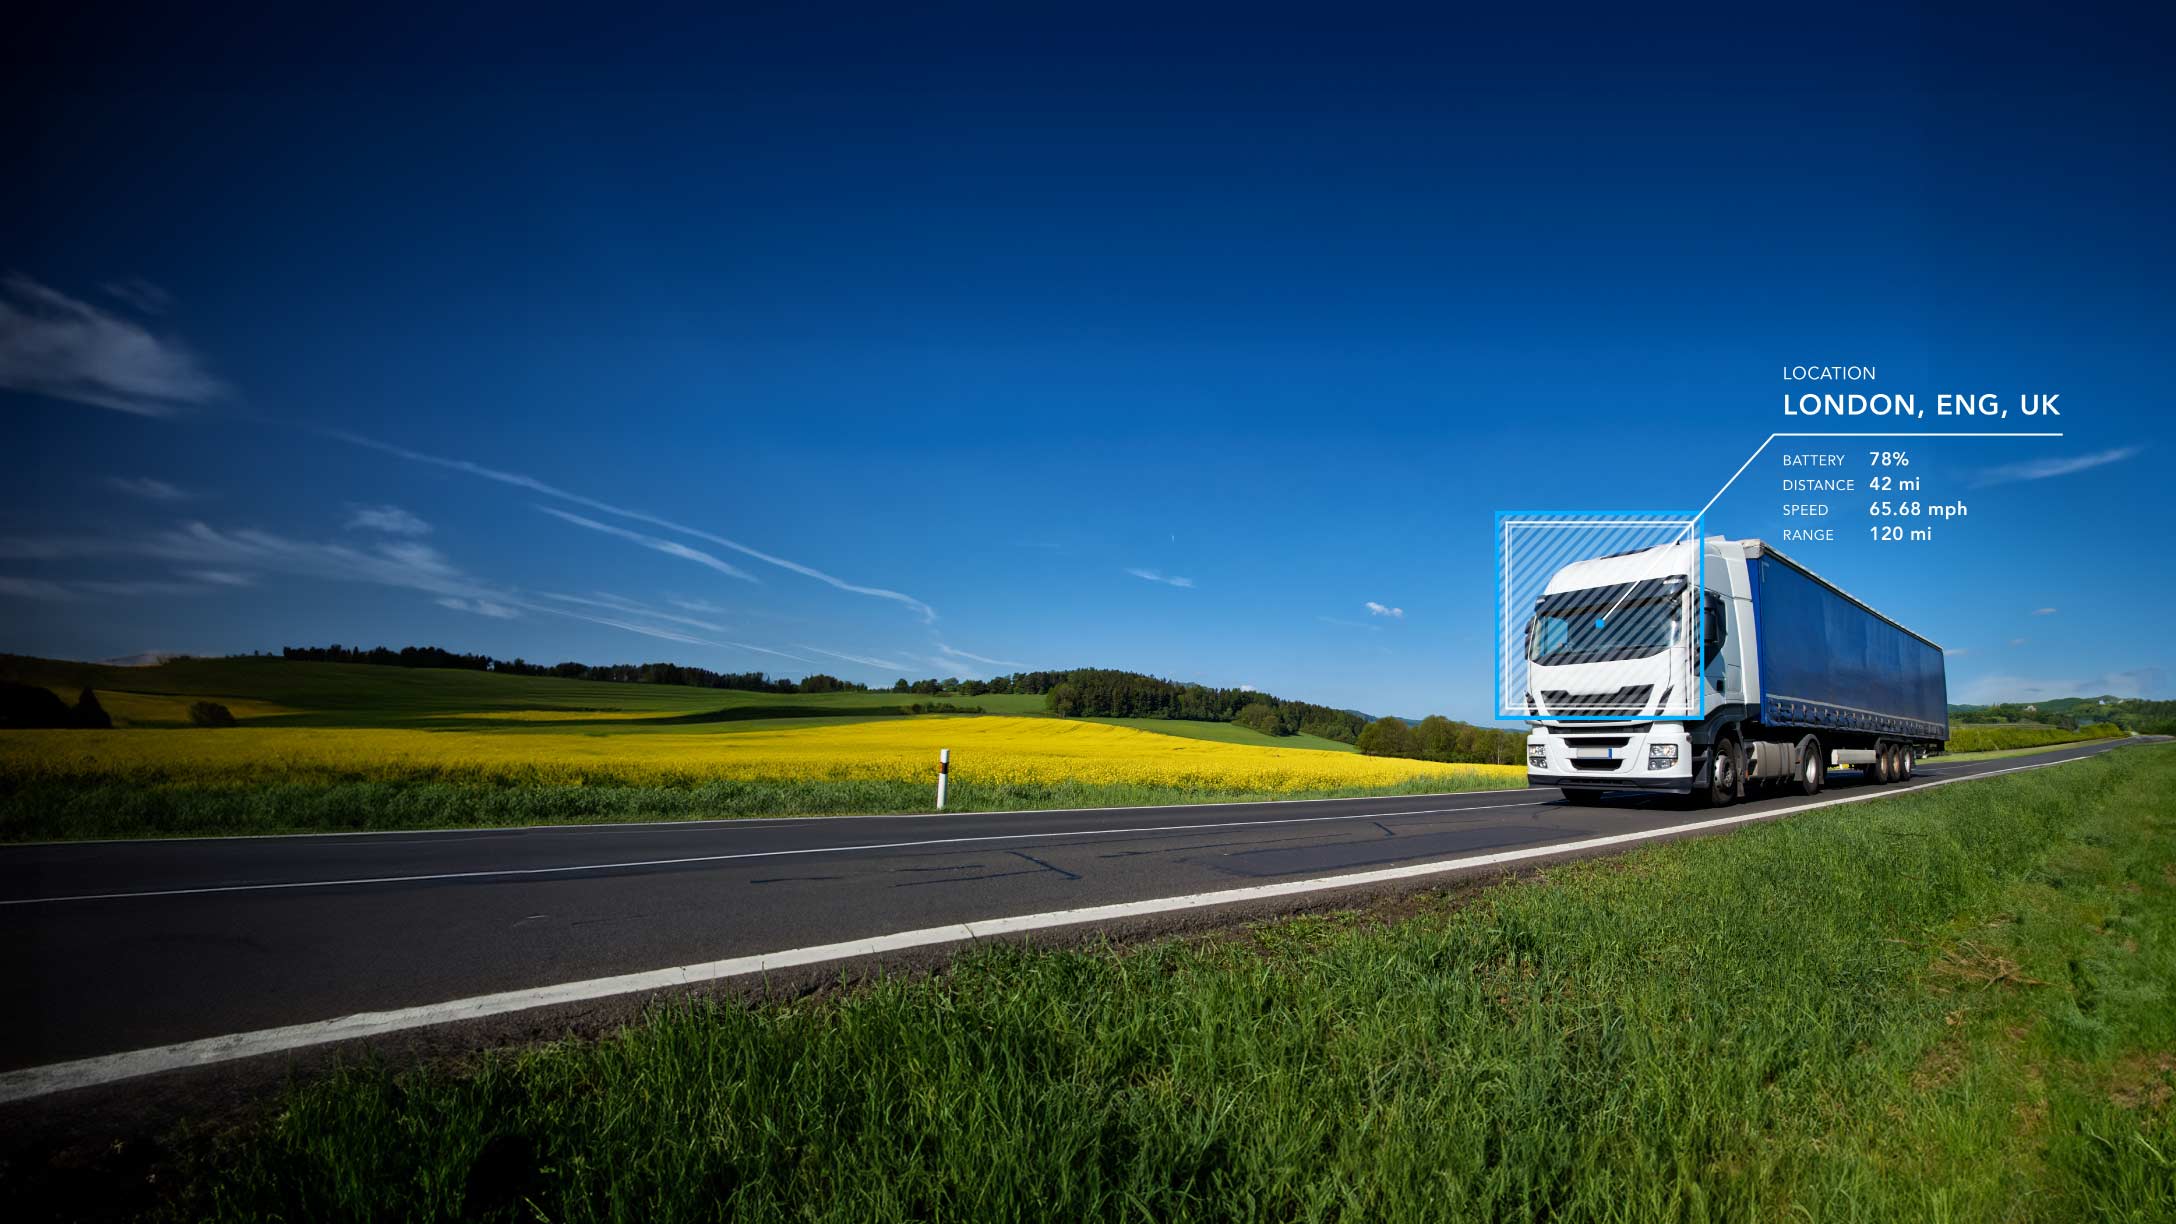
(1713, 637)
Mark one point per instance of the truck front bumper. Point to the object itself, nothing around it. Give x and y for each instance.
(1613, 757)
(1673, 786)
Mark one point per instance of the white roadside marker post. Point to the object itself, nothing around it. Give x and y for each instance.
(944, 767)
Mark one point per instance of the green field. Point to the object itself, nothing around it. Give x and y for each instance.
(1952, 1005)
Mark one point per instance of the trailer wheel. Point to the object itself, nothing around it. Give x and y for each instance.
(1904, 756)
(1726, 775)
(1812, 766)
(1884, 763)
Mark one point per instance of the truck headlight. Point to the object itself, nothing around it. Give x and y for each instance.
(1661, 756)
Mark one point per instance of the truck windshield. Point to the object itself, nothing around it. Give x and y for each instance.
(1602, 624)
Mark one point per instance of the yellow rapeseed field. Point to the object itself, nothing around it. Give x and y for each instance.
(990, 749)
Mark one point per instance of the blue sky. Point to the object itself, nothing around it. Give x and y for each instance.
(948, 341)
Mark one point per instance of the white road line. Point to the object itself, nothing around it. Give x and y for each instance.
(31, 1082)
(746, 854)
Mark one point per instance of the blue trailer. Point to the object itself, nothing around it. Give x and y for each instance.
(1828, 661)
(1717, 667)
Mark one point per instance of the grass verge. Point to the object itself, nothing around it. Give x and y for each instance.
(1968, 740)
(86, 809)
(1950, 1005)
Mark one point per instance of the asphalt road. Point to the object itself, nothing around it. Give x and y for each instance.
(118, 946)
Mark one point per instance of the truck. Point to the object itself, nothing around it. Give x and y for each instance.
(1715, 669)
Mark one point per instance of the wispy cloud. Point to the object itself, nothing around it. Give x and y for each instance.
(1376, 609)
(33, 588)
(975, 658)
(2043, 469)
(531, 483)
(55, 346)
(481, 607)
(2043, 611)
(55, 591)
(1958, 652)
(664, 632)
(671, 548)
(865, 660)
(409, 564)
(945, 665)
(2019, 641)
(141, 294)
(146, 488)
(226, 558)
(1152, 576)
(620, 603)
(1350, 624)
(391, 520)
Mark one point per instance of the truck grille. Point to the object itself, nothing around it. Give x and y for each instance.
(1629, 700)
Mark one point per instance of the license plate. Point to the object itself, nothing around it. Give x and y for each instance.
(1596, 754)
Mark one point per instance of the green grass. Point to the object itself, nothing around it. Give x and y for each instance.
(92, 810)
(1951, 1005)
(2001, 754)
(1997, 736)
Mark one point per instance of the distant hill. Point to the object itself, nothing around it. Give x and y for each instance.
(2134, 713)
(148, 658)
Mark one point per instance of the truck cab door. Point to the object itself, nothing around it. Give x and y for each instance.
(1720, 673)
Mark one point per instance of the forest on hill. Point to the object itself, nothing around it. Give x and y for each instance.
(2070, 713)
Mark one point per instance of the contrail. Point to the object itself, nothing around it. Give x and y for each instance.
(534, 485)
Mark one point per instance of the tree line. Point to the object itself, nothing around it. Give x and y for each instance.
(618, 673)
(1104, 693)
(1436, 738)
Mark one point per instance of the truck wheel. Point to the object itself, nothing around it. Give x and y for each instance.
(1812, 766)
(1726, 775)
(1582, 798)
(1884, 763)
(1904, 762)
